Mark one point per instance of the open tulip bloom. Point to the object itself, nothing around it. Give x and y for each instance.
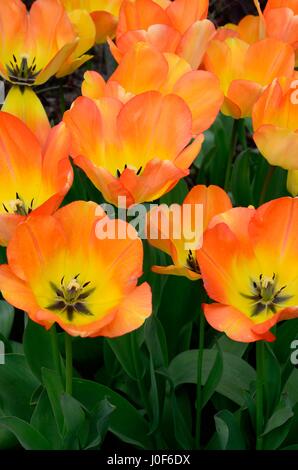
(60, 271)
(247, 266)
(172, 232)
(38, 44)
(33, 178)
(138, 150)
(245, 70)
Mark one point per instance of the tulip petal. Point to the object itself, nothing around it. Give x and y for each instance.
(131, 314)
(195, 41)
(234, 323)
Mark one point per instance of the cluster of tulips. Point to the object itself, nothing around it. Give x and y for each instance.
(135, 136)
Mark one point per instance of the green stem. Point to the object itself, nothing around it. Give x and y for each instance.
(55, 349)
(266, 184)
(199, 380)
(233, 144)
(68, 365)
(259, 394)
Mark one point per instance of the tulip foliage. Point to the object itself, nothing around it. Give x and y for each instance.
(148, 226)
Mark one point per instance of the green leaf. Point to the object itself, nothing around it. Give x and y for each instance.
(6, 318)
(177, 309)
(27, 435)
(281, 415)
(127, 350)
(156, 342)
(213, 378)
(126, 422)
(236, 377)
(181, 429)
(240, 183)
(55, 389)
(38, 348)
(44, 421)
(17, 384)
(74, 420)
(272, 381)
(99, 423)
(228, 431)
(291, 387)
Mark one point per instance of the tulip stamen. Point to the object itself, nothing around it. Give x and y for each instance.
(191, 262)
(265, 295)
(70, 298)
(20, 73)
(17, 206)
(138, 172)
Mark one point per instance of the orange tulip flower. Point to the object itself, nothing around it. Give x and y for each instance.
(33, 178)
(138, 150)
(103, 13)
(167, 73)
(245, 70)
(60, 271)
(172, 231)
(38, 44)
(23, 103)
(279, 20)
(179, 27)
(275, 124)
(248, 267)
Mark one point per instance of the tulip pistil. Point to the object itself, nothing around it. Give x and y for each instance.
(191, 262)
(20, 73)
(70, 298)
(266, 296)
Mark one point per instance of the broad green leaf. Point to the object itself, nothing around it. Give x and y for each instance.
(6, 318)
(27, 435)
(178, 308)
(38, 348)
(156, 341)
(99, 423)
(126, 422)
(44, 421)
(213, 378)
(181, 429)
(281, 415)
(234, 347)
(17, 384)
(235, 380)
(74, 419)
(228, 431)
(55, 389)
(240, 183)
(291, 387)
(272, 381)
(128, 352)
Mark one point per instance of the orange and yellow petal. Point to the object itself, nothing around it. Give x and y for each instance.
(234, 323)
(25, 104)
(195, 41)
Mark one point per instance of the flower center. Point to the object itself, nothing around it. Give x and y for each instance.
(17, 206)
(265, 295)
(71, 298)
(21, 73)
(191, 262)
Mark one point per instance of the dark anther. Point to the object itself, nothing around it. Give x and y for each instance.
(118, 173)
(5, 208)
(139, 171)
